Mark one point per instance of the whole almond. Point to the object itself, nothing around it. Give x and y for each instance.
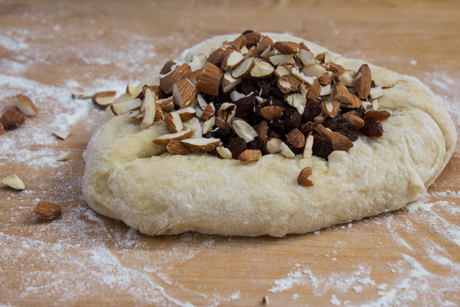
(47, 210)
(11, 119)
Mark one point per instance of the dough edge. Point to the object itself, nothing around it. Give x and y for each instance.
(129, 186)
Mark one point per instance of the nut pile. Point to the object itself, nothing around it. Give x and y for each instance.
(255, 96)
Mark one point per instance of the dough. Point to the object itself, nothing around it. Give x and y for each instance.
(167, 194)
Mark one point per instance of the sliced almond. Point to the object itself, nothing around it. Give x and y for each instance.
(296, 138)
(286, 151)
(298, 101)
(262, 69)
(203, 144)
(313, 90)
(243, 129)
(343, 96)
(126, 106)
(217, 56)
(378, 115)
(262, 130)
(63, 156)
(308, 150)
(210, 80)
(313, 70)
(165, 138)
(221, 123)
(288, 84)
(176, 147)
(186, 113)
(207, 125)
(61, 134)
(224, 152)
(353, 119)
(166, 104)
(330, 107)
(303, 180)
(47, 210)
(26, 105)
(184, 93)
(208, 112)
(13, 181)
(325, 79)
(324, 132)
(11, 119)
(271, 112)
(283, 70)
(150, 109)
(103, 99)
(244, 69)
(376, 92)
(287, 47)
(272, 145)
(340, 142)
(195, 125)
(173, 122)
(282, 59)
(167, 81)
(231, 60)
(264, 43)
(347, 77)
(306, 57)
(167, 67)
(228, 82)
(239, 42)
(250, 155)
(130, 89)
(362, 84)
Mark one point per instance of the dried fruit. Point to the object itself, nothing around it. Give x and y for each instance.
(372, 127)
(236, 146)
(47, 210)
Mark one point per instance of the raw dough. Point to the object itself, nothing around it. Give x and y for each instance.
(126, 180)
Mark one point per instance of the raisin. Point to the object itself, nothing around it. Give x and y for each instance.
(249, 86)
(359, 110)
(272, 134)
(372, 84)
(247, 32)
(306, 128)
(277, 92)
(256, 144)
(372, 127)
(224, 135)
(256, 113)
(312, 109)
(296, 151)
(236, 147)
(292, 119)
(208, 135)
(277, 123)
(264, 88)
(321, 147)
(275, 101)
(345, 129)
(244, 107)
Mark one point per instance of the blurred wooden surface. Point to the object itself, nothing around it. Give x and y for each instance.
(49, 49)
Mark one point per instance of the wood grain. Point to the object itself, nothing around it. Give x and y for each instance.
(86, 259)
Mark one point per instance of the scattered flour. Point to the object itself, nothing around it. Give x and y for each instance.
(335, 301)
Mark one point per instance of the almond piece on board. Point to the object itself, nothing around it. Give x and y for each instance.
(341, 142)
(231, 60)
(203, 144)
(288, 84)
(250, 155)
(296, 138)
(26, 105)
(228, 82)
(173, 122)
(47, 210)
(271, 112)
(167, 67)
(244, 69)
(209, 81)
(11, 119)
(165, 138)
(330, 107)
(184, 93)
(14, 182)
(287, 47)
(167, 81)
(63, 156)
(303, 180)
(103, 99)
(176, 147)
(363, 82)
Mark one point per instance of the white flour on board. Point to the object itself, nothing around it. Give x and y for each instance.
(71, 260)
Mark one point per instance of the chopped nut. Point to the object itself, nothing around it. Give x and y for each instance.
(231, 60)
(130, 90)
(262, 69)
(11, 119)
(343, 96)
(150, 109)
(296, 138)
(167, 67)
(61, 134)
(271, 112)
(239, 42)
(362, 84)
(298, 101)
(262, 130)
(165, 138)
(63, 156)
(103, 99)
(167, 81)
(203, 144)
(208, 112)
(287, 47)
(330, 107)
(347, 77)
(325, 79)
(252, 38)
(306, 57)
(186, 113)
(224, 152)
(376, 92)
(210, 80)
(288, 84)
(243, 129)
(340, 142)
(286, 151)
(324, 132)
(283, 70)
(272, 145)
(313, 70)
(26, 105)
(2, 129)
(228, 82)
(176, 147)
(167, 104)
(13, 181)
(308, 150)
(47, 210)
(221, 123)
(313, 90)
(250, 155)
(378, 115)
(184, 93)
(264, 43)
(303, 180)
(173, 122)
(353, 119)
(265, 300)
(208, 124)
(244, 69)
(217, 56)
(282, 59)
(126, 106)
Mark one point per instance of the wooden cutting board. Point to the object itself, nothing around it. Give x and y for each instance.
(49, 49)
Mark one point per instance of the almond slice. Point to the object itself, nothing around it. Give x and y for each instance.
(282, 59)
(195, 125)
(363, 82)
(63, 156)
(324, 132)
(184, 93)
(165, 138)
(11, 119)
(298, 101)
(186, 113)
(353, 119)
(130, 89)
(376, 92)
(250, 155)
(286, 151)
(262, 69)
(13, 181)
(343, 96)
(308, 150)
(347, 77)
(313, 70)
(378, 115)
(217, 56)
(288, 84)
(150, 109)
(303, 180)
(224, 152)
(61, 134)
(244, 69)
(47, 210)
(306, 57)
(287, 47)
(210, 80)
(208, 112)
(330, 107)
(228, 82)
(296, 138)
(282, 70)
(103, 99)
(173, 122)
(243, 129)
(167, 81)
(126, 106)
(231, 60)
(167, 104)
(203, 144)
(313, 90)
(264, 43)
(176, 147)
(207, 125)
(271, 112)
(26, 105)
(272, 145)
(167, 67)
(239, 42)
(341, 142)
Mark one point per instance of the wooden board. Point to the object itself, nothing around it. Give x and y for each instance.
(49, 49)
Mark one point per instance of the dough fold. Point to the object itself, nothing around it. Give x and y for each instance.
(126, 179)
